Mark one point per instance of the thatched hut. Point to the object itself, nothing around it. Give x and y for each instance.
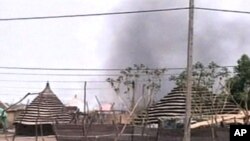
(40, 115)
(13, 112)
(172, 106)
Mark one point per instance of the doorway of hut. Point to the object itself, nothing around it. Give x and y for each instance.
(34, 130)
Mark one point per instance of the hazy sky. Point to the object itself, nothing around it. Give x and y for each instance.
(155, 39)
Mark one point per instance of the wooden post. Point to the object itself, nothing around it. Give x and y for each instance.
(143, 95)
(84, 98)
(132, 107)
(133, 96)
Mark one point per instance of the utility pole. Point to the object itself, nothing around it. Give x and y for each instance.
(187, 130)
(84, 98)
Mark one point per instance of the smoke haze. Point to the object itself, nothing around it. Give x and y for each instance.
(155, 39)
(160, 39)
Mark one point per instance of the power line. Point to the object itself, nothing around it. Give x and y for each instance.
(13, 87)
(37, 81)
(93, 69)
(223, 10)
(40, 81)
(78, 75)
(89, 75)
(120, 13)
(57, 74)
(71, 69)
(19, 91)
(57, 69)
(81, 81)
(94, 14)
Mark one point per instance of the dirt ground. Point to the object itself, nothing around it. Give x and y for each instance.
(164, 135)
(19, 138)
(165, 138)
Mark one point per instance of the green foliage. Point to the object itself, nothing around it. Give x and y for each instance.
(133, 80)
(202, 76)
(3, 118)
(138, 74)
(240, 83)
(243, 68)
(204, 79)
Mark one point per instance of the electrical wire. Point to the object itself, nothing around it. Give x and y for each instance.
(56, 69)
(72, 69)
(78, 75)
(94, 14)
(54, 81)
(222, 10)
(120, 13)
(57, 74)
(38, 81)
(93, 69)
(13, 87)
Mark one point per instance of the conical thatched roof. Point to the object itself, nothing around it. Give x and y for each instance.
(173, 106)
(44, 109)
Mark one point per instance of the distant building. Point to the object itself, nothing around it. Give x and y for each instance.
(3, 105)
(75, 102)
(13, 112)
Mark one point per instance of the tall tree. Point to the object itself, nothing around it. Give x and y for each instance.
(133, 80)
(240, 82)
(203, 76)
